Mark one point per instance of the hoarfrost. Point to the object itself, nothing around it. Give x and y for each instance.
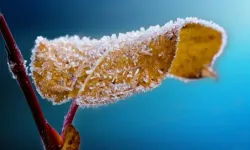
(72, 52)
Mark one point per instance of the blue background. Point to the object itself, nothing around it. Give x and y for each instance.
(202, 115)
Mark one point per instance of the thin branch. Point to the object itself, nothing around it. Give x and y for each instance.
(70, 116)
(17, 66)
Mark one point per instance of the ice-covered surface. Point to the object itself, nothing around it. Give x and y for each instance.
(98, 72)
(12, 65)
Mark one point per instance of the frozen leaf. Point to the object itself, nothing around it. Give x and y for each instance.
(197, 50)
(98, 72)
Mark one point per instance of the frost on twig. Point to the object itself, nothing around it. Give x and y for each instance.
(18, 69)
(11, 66)
(98, 72)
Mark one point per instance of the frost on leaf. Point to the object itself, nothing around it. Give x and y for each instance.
(98, 72)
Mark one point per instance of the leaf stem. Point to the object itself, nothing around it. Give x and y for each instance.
(68, 119)
(17, 66)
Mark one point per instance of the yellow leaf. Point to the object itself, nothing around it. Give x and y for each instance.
(196, 51)
(99, 72)
(71, 138)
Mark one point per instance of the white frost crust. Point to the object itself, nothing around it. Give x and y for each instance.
(11, 65)
(111, 43)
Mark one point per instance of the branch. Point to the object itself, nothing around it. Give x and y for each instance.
(17, 66)
(70, 116)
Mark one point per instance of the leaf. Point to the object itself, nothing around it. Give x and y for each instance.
(99, 72)
(71, 138)
(198, 47)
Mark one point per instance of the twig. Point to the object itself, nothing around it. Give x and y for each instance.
(70, 116)
(17, 66)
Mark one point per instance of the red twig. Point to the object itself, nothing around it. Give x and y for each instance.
(18, 69)
(70, 116)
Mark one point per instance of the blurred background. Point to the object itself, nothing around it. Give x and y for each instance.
(201, 115)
